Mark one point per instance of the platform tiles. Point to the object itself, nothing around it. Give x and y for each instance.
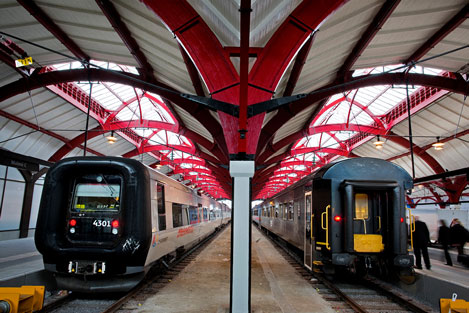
(204, 285)
(18, 259)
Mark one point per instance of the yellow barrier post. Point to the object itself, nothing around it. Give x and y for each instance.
(454, 305)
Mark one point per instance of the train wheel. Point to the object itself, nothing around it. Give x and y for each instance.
(358, 268)
(383, 269)
(407, 276)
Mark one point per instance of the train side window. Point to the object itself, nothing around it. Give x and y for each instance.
(285, 211)
(205, 214)
(193, 215)
(298, 209)
(177, 215)
(161, 208)
(290, 211)
(276, 212)
(361, 206)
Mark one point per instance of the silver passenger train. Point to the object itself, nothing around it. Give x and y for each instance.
(104, 221)
(348, 215)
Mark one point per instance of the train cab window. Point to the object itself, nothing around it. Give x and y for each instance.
(97, 194)
(161, 207)
(361, 206)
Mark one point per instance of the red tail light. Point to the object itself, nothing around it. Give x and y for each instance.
(337, 218)
(115, 223)
(402, 220)
(73, 222)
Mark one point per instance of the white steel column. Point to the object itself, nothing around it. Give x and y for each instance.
(242, 172)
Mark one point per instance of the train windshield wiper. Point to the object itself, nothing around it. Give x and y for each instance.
(113, 191)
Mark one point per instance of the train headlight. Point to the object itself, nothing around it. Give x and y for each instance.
(115, 231)
(72, 230)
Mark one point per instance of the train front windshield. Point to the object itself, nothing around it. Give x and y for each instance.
(97, 193)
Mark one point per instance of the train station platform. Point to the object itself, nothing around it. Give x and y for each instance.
(21, 264)
(19, 257)
(441, 281)
(204, 285)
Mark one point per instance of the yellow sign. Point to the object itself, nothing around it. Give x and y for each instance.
(24, 62)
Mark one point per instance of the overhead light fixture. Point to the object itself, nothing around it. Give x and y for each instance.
(111, 139)
(378, 143)
(438, 145)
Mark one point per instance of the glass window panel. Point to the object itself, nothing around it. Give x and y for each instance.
(96, 197)
(12, 204)
(361, 206)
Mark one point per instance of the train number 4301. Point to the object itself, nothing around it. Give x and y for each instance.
(101, 223)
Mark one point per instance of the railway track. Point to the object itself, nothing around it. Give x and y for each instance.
(157, 279)
(360, 295)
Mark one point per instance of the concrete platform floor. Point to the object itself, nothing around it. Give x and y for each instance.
(204, 285)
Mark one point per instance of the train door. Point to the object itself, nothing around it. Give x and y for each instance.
(370, 210)
(308, 246)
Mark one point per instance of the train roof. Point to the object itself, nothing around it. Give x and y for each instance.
(364, 168)
(356, 169)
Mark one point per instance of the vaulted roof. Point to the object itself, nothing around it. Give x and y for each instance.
(323, 78)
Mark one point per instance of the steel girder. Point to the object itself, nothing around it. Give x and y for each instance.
(55, 30)
(42, 130)
(285, 113)
(452, 24)
(216, 69)
(58, 77)
(378, 22)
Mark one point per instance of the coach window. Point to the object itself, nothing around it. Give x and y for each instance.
(205, 214)
(177, 215)
(285, 211)
(298, 210)
(276, 212)
(193, 215)
(161, 208)
(211, 215)
(361, 206)
(290, 211)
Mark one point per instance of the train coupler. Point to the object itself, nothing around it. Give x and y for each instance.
(21, 299)
(86, 267)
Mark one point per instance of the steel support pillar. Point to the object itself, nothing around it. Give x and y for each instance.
(240, 298)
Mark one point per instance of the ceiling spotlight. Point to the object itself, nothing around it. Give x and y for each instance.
(438, 145)
(111, 139)
(378, 143)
